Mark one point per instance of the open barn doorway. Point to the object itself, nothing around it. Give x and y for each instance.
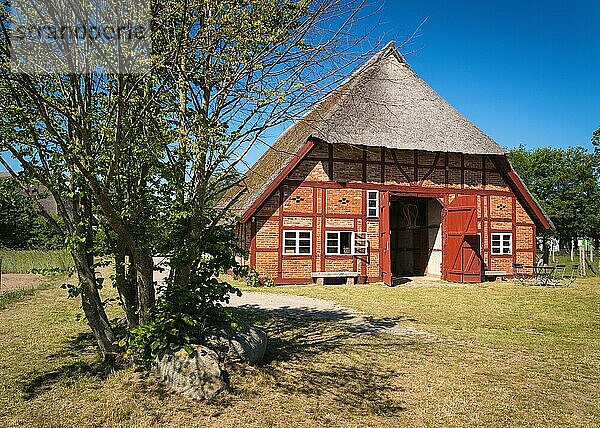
(415, 237)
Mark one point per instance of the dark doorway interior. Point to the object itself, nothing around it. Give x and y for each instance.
(414, 240)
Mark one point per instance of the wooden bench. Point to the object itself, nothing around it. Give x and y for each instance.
(350, 276)
(495, 273)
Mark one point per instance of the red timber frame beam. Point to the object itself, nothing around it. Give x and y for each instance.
(441, 162)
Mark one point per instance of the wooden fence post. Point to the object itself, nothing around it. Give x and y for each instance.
(582, 260)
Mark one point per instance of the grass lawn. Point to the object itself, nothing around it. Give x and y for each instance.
(25, 261)
(565, 259)
(502, 355)
(10, 297)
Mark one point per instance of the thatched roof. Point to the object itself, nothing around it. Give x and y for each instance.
(383, 104)
(386, 104)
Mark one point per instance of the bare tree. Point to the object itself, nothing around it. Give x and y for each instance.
(234, 73)
(149, 153)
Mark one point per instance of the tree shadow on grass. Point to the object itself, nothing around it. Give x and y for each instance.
(359, 322)
(84, 342)
(304, 332)
(357, 386)
(82, 360)
(292, 365)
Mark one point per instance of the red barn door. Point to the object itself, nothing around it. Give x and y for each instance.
(462, 258)
(385, 263)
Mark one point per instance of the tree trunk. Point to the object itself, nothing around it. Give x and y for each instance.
(545, 251)
(144, 267)
(141, 259)
(92, 305)
(572, 249)
(582, 260)
(83, 256)
(126, 287)
(181, 273)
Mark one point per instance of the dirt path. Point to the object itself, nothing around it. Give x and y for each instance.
(19, 281)
(300, 306)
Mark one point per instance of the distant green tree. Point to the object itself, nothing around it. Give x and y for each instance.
(18, 217)
(566, 183)
(594, 218)
(21, 226)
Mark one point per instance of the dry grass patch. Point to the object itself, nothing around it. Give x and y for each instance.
(503, 357)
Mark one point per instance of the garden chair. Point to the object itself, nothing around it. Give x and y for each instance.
(520, 273)
(559, 274)
(544, 275)
(571, 277)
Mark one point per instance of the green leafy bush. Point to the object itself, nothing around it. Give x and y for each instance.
(184, 313)
(181, 319)
(255, 279)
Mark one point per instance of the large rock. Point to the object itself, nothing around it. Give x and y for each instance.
(198, 376)
(246, 343)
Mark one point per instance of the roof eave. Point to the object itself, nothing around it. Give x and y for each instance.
(308, 145)
(516, 183)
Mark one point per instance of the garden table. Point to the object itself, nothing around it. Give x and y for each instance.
(543, 274)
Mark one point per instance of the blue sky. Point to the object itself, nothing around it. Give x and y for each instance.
(526, 72)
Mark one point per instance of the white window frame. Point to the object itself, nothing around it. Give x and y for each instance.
(354, 237)
(297, 240)
(376, 199)
(339, 242)
(505, 246)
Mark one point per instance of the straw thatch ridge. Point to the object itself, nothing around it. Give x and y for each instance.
(382, 104)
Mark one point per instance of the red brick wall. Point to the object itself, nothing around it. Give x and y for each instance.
(268, 234)
(327, 191)
(298, 199)
(344, 201)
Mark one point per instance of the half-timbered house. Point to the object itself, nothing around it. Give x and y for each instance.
(384, 179)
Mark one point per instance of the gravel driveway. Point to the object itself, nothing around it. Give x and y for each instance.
(300, 306)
